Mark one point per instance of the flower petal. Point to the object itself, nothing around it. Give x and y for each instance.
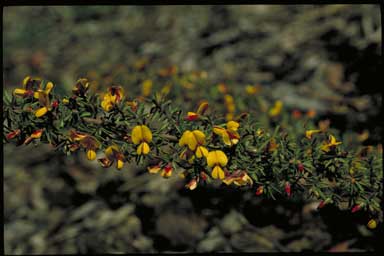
(146, 133)
(219, 130)
(136, 134)
(143, 148)
(199, 136)
(41, 112)
(19, 92)
(221, 158)
(201, 151)
(91, 154)
(49, 87)
(119, 164)
(218, 173)
(184, 138)
(232, 126)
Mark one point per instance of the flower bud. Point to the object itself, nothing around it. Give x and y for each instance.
(300, 167)
(288, 188)
(13, 134)
(356, 208)
(259, 190)
(372, 224)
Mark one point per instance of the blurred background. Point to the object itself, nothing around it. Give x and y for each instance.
(324, 57)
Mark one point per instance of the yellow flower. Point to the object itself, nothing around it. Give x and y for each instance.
(230, 135)
(252, 89)
(154, 169)
(276, 109)
(146, 88)
(191, 116)
(217, 159)
(81, 87)
(239, 178)
(112, 154)
(229, 103)
(166, 89)
(166, 172)
(91, 145)
(309, 133)
(372, 224)
(43, 96)
(30, 86)
(332, 144)
(114, 96)
(91, 154)
(195, 141)
(142, 135)
(86, 141)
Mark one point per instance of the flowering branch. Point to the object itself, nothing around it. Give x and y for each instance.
(209, 149)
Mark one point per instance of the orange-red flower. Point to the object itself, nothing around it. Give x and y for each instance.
(13, 134)
(229, 135)
(35, 135)
(191, 116)
(259, 190)
(239, 178)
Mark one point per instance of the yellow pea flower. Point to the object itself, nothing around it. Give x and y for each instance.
(166, 89)
(195, 140)
(112, 154)
(331, 145)
(43, 96)
(30, 86)
(114, 96)
(91, 154)
(252, 89)
(146, 88)
(142, 135)
(309, 133)
(86, 141)
(154, 169)
(230, 135)
(276, 109)
(91, 145)
(239, 178)
(217, 159)
(191, 116)
(229, 103)
(166, 172)
(81, 87)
